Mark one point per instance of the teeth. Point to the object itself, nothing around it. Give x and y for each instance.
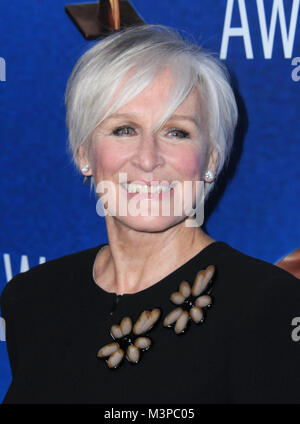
(143, 188)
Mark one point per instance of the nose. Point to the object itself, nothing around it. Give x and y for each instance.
(148, 155)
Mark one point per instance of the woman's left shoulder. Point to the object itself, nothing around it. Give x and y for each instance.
(265, 330)
(260, 274)
(261, 290)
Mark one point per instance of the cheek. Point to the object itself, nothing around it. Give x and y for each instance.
(107, 158)
(190, 163)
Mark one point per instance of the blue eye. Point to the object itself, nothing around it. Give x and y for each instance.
(175, 132)
(124, 130)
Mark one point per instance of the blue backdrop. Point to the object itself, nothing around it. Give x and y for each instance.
(47, 212)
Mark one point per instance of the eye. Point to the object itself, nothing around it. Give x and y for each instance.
(178, 133)
(124, 130)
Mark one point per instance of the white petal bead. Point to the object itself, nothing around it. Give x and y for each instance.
(196, 314)
(126, 326)
(203, 301)
(198, 285)
(172, 317)
(115, 358)
(181, 322)
(185, 289)
(177, 298)
(108, 350)
(210, 270)
(142, 342)
(140, 324)
(116, 331)
(202, 279)
(146, 321)
(133, 354)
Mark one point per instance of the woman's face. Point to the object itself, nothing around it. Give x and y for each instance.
(177, 152)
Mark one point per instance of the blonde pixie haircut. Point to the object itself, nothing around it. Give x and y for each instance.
(145, 50)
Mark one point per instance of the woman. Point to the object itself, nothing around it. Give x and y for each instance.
(163, 313)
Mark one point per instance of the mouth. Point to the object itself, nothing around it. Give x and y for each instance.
(134, 188)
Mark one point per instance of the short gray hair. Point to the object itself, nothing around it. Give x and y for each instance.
(145, 50)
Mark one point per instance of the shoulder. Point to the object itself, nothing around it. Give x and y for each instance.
(264, 329)
(259, 273)
(262, 293)
(47, 278)
(264, 304)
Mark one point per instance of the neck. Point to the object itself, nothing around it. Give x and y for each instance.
(135, 260)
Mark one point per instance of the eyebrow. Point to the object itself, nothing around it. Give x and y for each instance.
(184, 118)
(131, 116)
(119, 115)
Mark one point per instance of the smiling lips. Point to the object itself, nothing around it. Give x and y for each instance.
(147, 188)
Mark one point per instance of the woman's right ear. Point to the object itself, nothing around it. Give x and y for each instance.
(83, 162)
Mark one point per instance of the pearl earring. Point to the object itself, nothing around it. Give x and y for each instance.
(85, 168)
(209, 175)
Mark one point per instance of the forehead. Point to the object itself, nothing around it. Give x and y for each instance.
(159, 97)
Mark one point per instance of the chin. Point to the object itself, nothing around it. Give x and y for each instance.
(150, 224)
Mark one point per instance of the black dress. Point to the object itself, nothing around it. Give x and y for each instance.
(245, 351)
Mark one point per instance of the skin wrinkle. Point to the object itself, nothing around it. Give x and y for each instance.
(135, 243)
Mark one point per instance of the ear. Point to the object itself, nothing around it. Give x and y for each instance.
(213, 161)
(83, 161)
